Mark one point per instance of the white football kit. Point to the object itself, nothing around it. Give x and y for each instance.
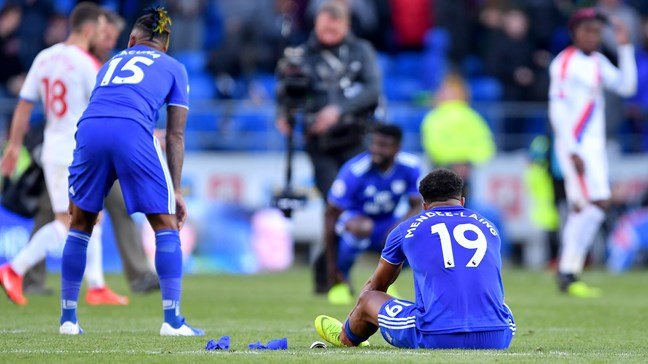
(577, 114)
(62, 78)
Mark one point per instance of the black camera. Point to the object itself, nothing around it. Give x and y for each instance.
(294, 79)
(293, 87)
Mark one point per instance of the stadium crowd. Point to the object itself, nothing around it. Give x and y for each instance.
(501, 47)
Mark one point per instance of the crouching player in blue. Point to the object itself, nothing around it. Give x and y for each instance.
(362, 203)
(454, 254)
(114, 140)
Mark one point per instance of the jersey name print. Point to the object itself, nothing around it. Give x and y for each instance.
(135, 84)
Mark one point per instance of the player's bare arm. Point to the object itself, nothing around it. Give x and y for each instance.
(19, 127)
(176, 122)
(621, 31)
(330, 242)
(579, 164)
(384, 276)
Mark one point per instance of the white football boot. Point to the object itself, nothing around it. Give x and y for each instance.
(69, 328)
(184, 330)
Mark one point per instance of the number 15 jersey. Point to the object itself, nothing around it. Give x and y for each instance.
(62, 78)
(455, 258)
(135, 84)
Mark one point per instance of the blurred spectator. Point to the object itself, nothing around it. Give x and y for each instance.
(57, 30)
(411, 19)
(458, 18)
(231, 59)
(188, 24)
(544, 18)
(276, 25)
(364, 16)
(10, 66)
(490, 21)
(617, 10)
(510, 58)
(104, 46)
(638, 105)
(453, 134)
(35, 19)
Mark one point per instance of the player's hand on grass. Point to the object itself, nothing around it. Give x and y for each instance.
(10, 159)
(181, 210)
(579, 164)
(621, 31)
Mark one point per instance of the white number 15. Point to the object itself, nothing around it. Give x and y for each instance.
(131, 65)
(459, 233)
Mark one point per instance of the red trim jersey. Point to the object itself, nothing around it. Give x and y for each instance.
(62, 78)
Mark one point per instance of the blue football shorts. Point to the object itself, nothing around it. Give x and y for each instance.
(114, 148)
(397, 322)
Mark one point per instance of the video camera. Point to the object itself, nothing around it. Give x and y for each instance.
(295, 82)
(293, 87)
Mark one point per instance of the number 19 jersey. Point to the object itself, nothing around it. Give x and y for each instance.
(135, 83)
(62, 78)
(455, 258)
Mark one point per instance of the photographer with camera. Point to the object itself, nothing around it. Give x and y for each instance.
(334, 82)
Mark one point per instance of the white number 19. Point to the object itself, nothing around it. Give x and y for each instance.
(459, 233)
(131, 65)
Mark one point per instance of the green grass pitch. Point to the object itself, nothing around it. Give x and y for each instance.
(551, 327)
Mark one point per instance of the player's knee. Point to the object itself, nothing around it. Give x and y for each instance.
(162, 222)
(82, 220)
(365, 302)
(361, 227)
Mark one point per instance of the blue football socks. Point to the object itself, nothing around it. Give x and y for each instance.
(168, 264)
(355, 339)
(72, 268)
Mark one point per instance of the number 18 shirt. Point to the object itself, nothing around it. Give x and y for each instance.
(455, 258)
(62, 78)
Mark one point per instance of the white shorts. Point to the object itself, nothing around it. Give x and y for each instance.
(594, 184)
(56, 179)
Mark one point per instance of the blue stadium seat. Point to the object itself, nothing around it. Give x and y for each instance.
(433, 70)
(194, 61)
(408, 118)
(437, 39)
(472, 66)
(408, 64)
(401, 88)
(201, 86)
(202, 122)
(485, 89)
(254, 119)
(267, 82)
(385, 63)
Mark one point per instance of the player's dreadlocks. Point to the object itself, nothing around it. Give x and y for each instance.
(156, 23)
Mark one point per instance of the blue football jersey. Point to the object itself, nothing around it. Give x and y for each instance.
(455, 257)
(135, 84)
(361, 187)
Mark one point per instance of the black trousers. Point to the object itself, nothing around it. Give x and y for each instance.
(129, 240)
(326, 166)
